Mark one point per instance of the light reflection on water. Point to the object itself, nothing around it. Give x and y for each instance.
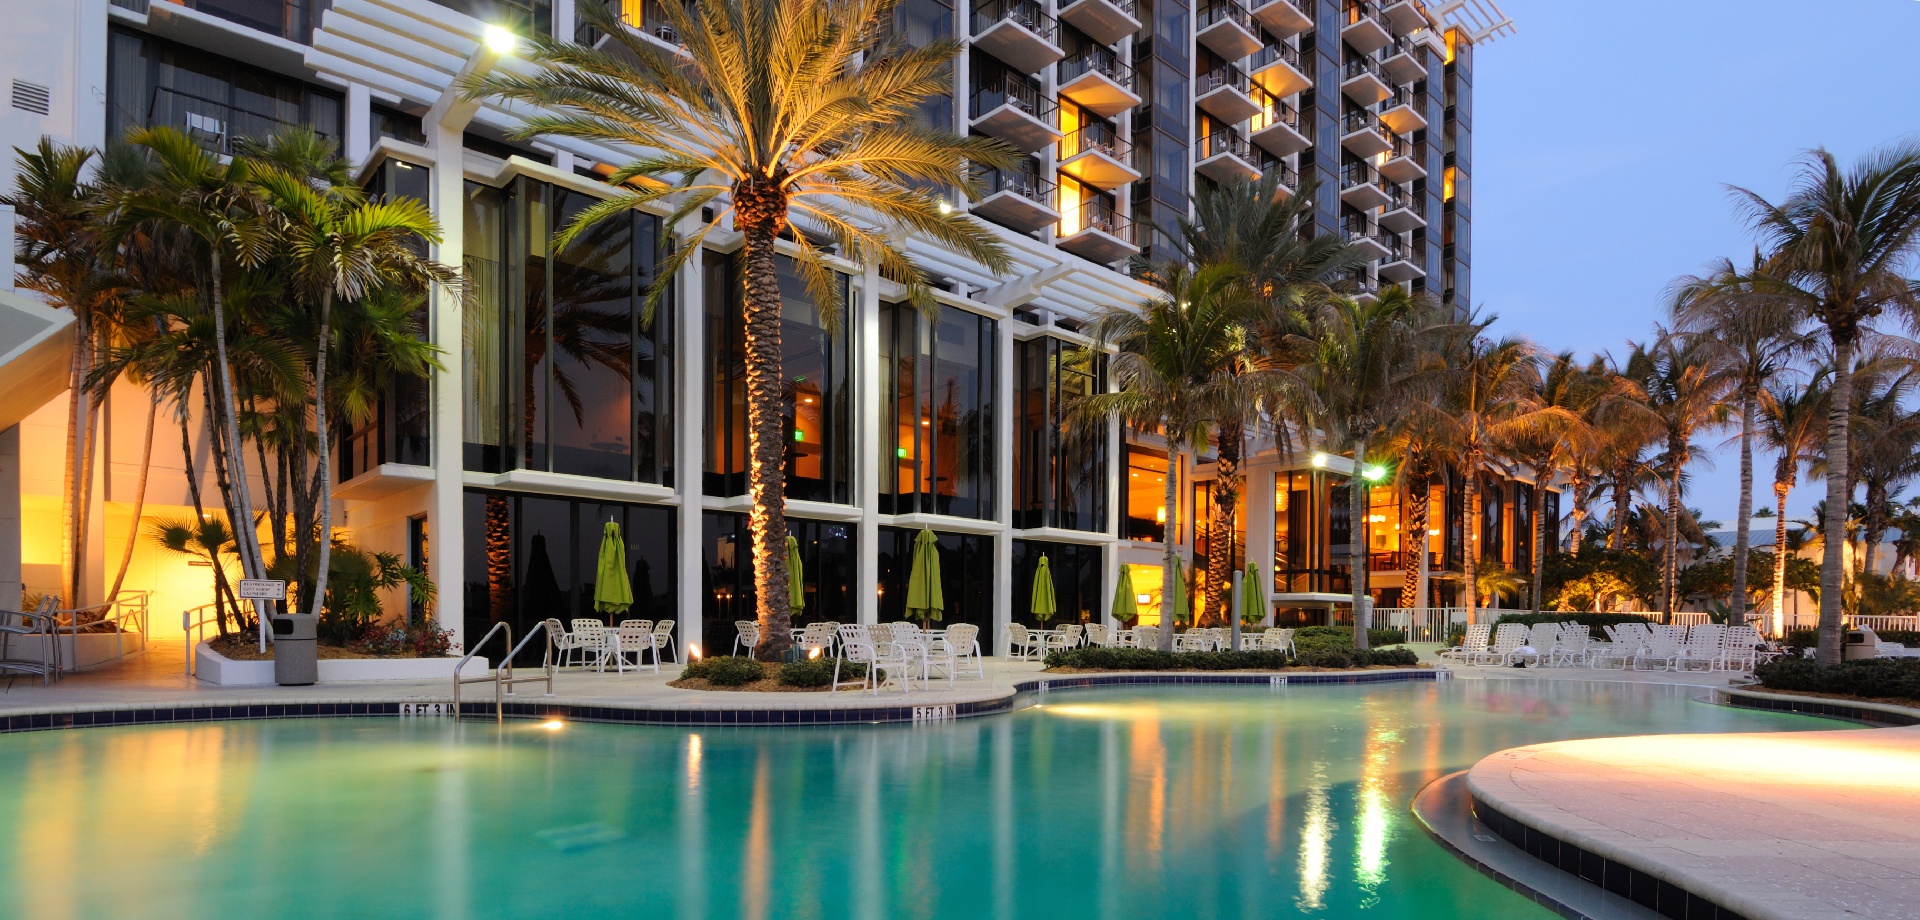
(1130, 803)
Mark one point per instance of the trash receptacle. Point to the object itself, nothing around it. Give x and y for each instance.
(296, 655)
(1858, 646)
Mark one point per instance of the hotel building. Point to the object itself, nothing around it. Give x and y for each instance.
(559, 409)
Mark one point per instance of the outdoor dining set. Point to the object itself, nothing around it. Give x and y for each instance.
(592, 643)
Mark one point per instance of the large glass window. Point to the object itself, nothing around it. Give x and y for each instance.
(1145, 494)
(151, 83)
(530, 557)
(815, 396)
(1310, 527)
(966, 579)
(1060, 471)
(938, 412)
(828, 569)
(399, 429)
(1077, 570)
(1203, 543)
(564, 374)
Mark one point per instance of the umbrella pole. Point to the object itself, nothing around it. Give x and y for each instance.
(1235, 607)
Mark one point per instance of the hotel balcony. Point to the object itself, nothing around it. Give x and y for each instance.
(1018, 199)
(647, 17)
(1277, 130)
(1404, 112)
(1017, 113)
(1399, 265)
(1404, 210)
(1098, 82)
(1363, 133)
(292, 20)
(1225, 93)
(1104, 21)
(1358, 285)
(1404, 15)
(1402, 163)
(1360, 187)
(1227, 28)
(1276, 69)
(1361, 81)
(1285, 18)
(1362, 28)
(1096, 232)
(1365, 240)
(1018, 32)
(1224, 156)
(1097, 156)
(1401, 61)
(1286, 179)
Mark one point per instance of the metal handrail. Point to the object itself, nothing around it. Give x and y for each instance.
(42, 623)
(502, 677)
(1095, 136)
(1098, 59)
(1223, 75)
(1024, 13)
(1225, 11)
(189, 626)
(1361, 120)
(1359, 65)
(113, 614)
(1354, 174)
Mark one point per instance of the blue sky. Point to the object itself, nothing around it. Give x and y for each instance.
(1604, 136)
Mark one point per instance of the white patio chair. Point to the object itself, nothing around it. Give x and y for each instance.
(1097, 635)
(1146, 637)
(635, 638)
(590, 638)
(1661, 653)
(1882, 649)
(563, 641)
(1506, 640)
(1076, 634)
(1570, 650)
(816, 637)
(1740, 648)
(857, 647)
(1478, 635)
(1193, 640)
(747, 633)
(1277, 639)
(962, 644)
(1021, 641)
(1059, 640)
(663, 641)
(1703, 650)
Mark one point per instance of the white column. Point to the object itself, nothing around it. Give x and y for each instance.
(359, 117)
(1259, 527)
(445, 527)
(867, 438)
(689, 467)
(10, 578)
(564, 19)
(1003, 487)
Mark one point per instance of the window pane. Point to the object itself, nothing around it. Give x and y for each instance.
(590, 346)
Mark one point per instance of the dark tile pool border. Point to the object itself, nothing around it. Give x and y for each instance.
(1658, 895)
(1869, 714)
(1023, 692)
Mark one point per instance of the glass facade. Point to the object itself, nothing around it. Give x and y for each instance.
(1144, 496)
(564, 373)
(817, 395)
(154, 83)
(530, 557)
(1310, 529)
(1077, 576)
(1060, 470)
(937, 420)
(828, 570)
(400, 427)
(966, 578)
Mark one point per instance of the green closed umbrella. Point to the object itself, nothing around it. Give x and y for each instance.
(923, 582)
(1180, 611)
(796, 582)
(1044, 605)
(1125, 606)
(612, 593)
(1253, 600)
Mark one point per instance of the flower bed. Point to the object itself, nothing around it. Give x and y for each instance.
(215, 668)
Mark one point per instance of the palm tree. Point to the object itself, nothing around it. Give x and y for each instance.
(1688, 392)
(1886, 454)
(1791, 426)
(1268, 235)
(1752, 336)
(1840, 245)
(1361, 367)
(337, 245)
(789, 118)
(1563, 395)
(1628, 431)
(66, 259)
(1170, 368)
(1486, 402)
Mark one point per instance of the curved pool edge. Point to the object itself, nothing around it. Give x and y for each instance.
(898, 709)
(1880, 715)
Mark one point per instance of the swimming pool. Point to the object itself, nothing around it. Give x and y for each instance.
(1135, 802)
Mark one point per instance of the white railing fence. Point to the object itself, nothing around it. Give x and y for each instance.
(193, 623)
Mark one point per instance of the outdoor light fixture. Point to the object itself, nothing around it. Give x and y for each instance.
(1375, 473)
(693, 651)
(1143, 598)
(945, 208)
(500, 40)
(1160, 515)
(1319, 460)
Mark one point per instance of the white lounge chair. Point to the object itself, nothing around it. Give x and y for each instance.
(663, 641)
(884, 661)
(1147, 637)
(1570, 650)
(1478, 635)
(1278, 639)
(1740, 648)
(1506, 640)
(1661, 653)
(963, 650)
(1883, 649)
(1703, 650)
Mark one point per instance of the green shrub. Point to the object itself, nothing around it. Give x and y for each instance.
(1343, 635)
(1329, 656)
(1397, 657)
(1885, 678)
(1457, 634)
(1593, 621)
(1809, 637)
(1324, 655)
(725, 670)
(818, 672)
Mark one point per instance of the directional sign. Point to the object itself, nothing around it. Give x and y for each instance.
(263, 589)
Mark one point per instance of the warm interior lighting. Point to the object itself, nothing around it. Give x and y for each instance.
(1453, 35)
(500, 40)
(1160, 514)
(553, 725)
(1433, 532)
(1446, 183)
(1143, 598)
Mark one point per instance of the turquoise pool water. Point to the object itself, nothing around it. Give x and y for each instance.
(1205, 802)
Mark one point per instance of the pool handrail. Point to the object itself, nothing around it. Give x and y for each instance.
(502, 676)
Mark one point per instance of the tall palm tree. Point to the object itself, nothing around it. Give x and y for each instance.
(789, 118)
(1487, 401)
(1268, 235)
(1792, 424)
(1628, 432)
(1840, 246)
(1563, 396)
(1688, 391)
(1170, 371)
(1886, 452)
(1752, 336)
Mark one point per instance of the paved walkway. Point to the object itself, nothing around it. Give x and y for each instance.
(1789, 826)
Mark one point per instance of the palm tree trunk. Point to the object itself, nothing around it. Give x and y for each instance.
(1539, 535)
(1470, 556)
(244, 537)
(1226, 489)
(760, 216)
(1577, 534)
(1741, 542)
(139, 498)
(1419, 492)
(72, 509)
(1622, 503)
(1668, 601)
(1357, 548)
(1170, 554)
(1838, 488)
(324, 474)
(1780, 490)
(1873, 525)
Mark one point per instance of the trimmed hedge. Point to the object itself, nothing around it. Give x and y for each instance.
(1145, 659)
(1593, 621)
(1343, 635)
(1809, 637)
(1884, 678)
(725, 670)
(818, 672)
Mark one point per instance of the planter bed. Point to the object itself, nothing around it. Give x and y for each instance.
(215, 668)
(79, 652)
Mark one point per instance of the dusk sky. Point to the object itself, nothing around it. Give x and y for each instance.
(1604, 137)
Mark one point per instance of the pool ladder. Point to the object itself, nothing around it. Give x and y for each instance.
(502, 677)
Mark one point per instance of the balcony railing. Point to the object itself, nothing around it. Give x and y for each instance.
(1097, 215)
(1353, 229)
(1015, 92)
(1027, 184)
(1361, 121)
(1402, 147)
(1357, 66)
(1357, 10)
(1098, 59)
(1025, 13)
(1225, 11)
(1404, 95)
(1096, 136)
(1401, 44)
(1400, 198)
(1286, 176)
(1279, 112)
(1219, 142)
(1354, 174)
(1224, 75)
(288, 19)
(646, 16)
(1277, 52)
(216, 125)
